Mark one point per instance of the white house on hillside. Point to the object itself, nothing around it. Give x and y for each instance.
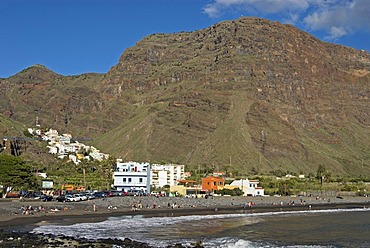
(132, 176)
(249, 187)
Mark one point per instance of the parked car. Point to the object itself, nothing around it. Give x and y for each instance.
(135, 192)
(84, 195)
(90, 196)
(61, 198)
(117, 192)
(30, 194)
(13, 194)
(46, 198)
(34, 194)
(81, 197)
(99, 194)
(72, 198)
(158, 194)
(109, 193)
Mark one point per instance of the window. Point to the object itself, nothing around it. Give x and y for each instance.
(140, 180)
(124, 180)
(129, 180)
(214, 183)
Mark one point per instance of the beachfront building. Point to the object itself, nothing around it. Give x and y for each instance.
(132, 176)
(188, 188)
(167, 174)
(213, 183)
(249, 187)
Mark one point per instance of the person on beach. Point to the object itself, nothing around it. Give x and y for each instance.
(29, 210)
(41, 208)
(23, 209)
(94, 207)
(133, 207)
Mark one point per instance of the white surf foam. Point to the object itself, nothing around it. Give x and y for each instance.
(140, 228)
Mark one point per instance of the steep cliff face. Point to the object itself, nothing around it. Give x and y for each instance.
(249, 91)
(244, 94)
(276, 64)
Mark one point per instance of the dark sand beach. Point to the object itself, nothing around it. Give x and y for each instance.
(15, 226)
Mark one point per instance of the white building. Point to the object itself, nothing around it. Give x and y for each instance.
(65, 139)
(53, 149)
(51, 134)
(62, 149)
(97, 155)
(41, 174)
(249, 187)
(168, 174)
(132, 176)
(70, 149)
(73, 158)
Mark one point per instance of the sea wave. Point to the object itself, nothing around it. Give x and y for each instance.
(164, 231)
(228, 242)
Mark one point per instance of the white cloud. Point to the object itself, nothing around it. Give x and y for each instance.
(336, 17)
(336, 32)
(290, 19)
(212, 10)
(277, 6)
(341, 19)
(250, 6)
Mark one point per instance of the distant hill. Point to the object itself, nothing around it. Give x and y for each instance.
(243, 95)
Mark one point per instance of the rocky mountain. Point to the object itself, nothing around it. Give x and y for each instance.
(68, 103)
(243, 95)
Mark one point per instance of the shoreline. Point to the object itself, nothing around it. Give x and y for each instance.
(16, 229)
(26, 223)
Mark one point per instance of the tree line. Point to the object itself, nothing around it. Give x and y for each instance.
(18, 174)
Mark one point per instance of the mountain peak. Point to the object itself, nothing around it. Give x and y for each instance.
(34, 74)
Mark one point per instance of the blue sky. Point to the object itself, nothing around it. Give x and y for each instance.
(78, 36)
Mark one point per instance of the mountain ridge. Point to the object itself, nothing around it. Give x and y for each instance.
(241, 95)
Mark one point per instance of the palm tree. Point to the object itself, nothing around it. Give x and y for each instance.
(322, 173)
(83, 164)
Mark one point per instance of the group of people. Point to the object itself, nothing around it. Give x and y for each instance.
(173, 205)
(136, 206)
(29, 210)
(248, 204)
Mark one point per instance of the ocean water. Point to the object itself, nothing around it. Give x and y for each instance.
(315, 228)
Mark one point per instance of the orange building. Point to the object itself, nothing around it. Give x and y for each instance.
(212, 183)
